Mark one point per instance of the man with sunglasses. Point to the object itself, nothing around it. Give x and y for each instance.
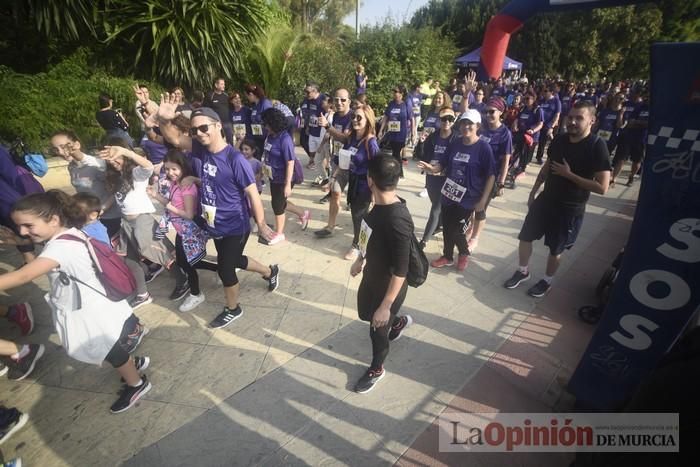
(339, 129)
(311, 110)
(228, 197)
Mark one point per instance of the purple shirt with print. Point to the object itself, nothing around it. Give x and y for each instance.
(470, 166)
(279, 150)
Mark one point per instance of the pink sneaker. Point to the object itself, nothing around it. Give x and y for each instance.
(21, 314)
(441, 262)
(462, 262)
(305, 219)
(276, 238)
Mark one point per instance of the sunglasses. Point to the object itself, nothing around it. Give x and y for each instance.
(339, 99)
(447, 118)
(358, 118)
(490, 111)
(203, 128)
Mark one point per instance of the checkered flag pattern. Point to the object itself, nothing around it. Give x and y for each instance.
(676, 138)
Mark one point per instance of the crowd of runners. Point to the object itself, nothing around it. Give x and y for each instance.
(202, 166)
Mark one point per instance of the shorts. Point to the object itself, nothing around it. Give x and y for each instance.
(314, 143)
(279, 202)
(341, 180)
(626, 149)
(559, 226)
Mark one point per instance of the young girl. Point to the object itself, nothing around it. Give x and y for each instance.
(250, 151)
(91, 327)
(191, 240)
(127, 178)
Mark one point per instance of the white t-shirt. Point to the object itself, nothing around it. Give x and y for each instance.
(87, 322)
(137, 201)
(88, 176)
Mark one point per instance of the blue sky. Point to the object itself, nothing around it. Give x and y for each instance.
(373, 11)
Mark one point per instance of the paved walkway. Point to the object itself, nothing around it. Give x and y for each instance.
(275, 388)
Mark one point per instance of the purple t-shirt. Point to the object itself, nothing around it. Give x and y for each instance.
(225, 175)
(397, 116)
(607, 124)
(279, 150)
(257, 129)
(500, 140)
(359, 159)
(480, 106)
(155, 152)
(432, 122)
(436, 153)
(415, 101)
(468, 169)
(311, 109)
(359, 87)
(528, 119)
(567, 101)
(550, 108)
(340, 123)
(240, 119)
(256, 166)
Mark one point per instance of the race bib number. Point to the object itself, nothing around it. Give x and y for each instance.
(239, 129)
(257, 129)
(453, 190)
(365, 234)
(394, 126)
(313, 121)
(429, 130)
(416, 110)
(344, 157)
(209, 214)
(605, 135)
(337, 146)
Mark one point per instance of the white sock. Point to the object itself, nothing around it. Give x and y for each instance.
(138, 384)
(548, 279)
(23, 352)
(522, 269)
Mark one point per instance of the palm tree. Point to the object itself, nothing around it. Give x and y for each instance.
(187, 41)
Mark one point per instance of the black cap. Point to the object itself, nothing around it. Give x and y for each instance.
(205, 112)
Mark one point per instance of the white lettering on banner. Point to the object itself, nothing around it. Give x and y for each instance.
(677, 295)
(681, 164)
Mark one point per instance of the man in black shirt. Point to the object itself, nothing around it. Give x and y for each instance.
(385, 244)
(578, 164)
(217, 99)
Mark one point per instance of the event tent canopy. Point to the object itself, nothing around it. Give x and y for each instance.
(472, 60)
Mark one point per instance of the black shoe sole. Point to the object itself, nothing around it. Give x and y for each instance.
(365, 391)
(179, 297)
(533, 295)
(132, 403)
(515, 286)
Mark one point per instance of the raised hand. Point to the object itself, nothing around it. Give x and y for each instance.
(140, 95)
(470, 80)
(110, 153)
(168, 104)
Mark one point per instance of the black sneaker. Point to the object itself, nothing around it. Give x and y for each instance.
(368, 380)
(13, 421)
(226, 317)
(274, 280)
(516, 279)
(180, 291)
(399, 326)
(140, 300)
(153, 271)
(538, 290)
(20, 369)
(129, 395)
(134, 339)
(325, 199)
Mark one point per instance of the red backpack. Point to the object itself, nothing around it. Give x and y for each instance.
(110, 269)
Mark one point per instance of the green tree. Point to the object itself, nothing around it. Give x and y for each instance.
(317, 15)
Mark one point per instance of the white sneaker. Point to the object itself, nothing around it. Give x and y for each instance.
(423, 193)
(277, 239)
(192, 302)
(352, 254)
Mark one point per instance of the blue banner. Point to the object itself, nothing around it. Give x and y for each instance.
(658, 288)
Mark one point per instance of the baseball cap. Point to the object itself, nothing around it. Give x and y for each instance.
(447, 111)
(205, 112)
(472, 115)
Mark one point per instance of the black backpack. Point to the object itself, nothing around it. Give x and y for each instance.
(417, 264)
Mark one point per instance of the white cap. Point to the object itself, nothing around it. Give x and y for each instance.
(472, 115)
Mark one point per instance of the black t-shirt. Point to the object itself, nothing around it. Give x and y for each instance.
(219, 102)
(110, 120)
(585, 158)
(389, 243)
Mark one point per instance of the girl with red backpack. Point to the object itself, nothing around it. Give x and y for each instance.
(92, 327)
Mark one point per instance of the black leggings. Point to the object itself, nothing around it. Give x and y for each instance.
(113, 226)
(229, 256)
(191, 269)
(435, 215)
(369, 297)
(455, 220)
(396, 148)
(118, 355)
(358, 209)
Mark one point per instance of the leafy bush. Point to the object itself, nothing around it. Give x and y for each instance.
(402, 55)
(63, 97)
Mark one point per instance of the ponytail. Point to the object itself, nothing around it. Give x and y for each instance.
(52, 203)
